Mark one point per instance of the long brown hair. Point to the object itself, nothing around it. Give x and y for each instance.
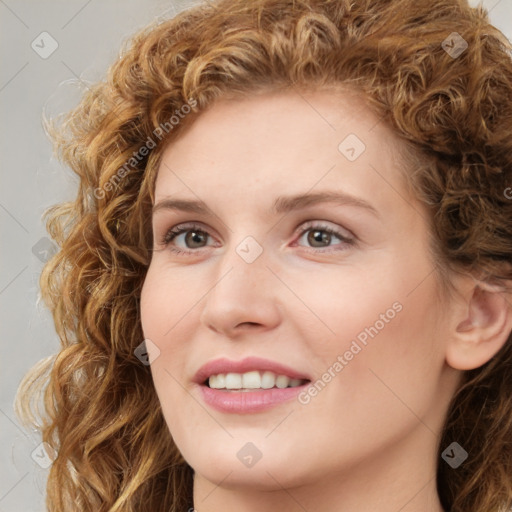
(450, 103)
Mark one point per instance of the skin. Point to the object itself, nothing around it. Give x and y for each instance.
(368, 440)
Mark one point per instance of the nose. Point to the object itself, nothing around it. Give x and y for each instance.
(242, 296)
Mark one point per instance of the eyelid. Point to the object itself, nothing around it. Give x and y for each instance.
(325, 224)
(322, 225)
(183, 227)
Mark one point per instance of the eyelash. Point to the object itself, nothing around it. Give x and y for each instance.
(172, 233)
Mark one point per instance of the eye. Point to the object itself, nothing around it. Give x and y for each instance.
(320, 235)
(194, 237)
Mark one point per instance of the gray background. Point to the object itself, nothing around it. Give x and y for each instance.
(89, 34)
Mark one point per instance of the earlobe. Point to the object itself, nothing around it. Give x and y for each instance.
(484, 329)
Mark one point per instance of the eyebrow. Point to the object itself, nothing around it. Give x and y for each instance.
(282, 204)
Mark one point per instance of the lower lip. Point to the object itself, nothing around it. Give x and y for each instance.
(248, 401)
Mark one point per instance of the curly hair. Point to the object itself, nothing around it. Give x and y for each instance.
(101, 415)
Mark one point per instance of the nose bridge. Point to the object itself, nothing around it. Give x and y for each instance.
(242, 273)
(244, 290)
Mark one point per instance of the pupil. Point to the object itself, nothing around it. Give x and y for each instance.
(193, 236)
(319, 236)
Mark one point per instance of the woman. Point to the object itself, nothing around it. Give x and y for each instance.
(285, 281)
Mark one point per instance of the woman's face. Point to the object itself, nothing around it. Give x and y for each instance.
(338, 291)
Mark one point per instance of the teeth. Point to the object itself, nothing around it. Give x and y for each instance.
(268, 380)
(233, 381)
(252, 380)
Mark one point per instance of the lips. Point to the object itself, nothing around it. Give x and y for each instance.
(248, 364)
(248, 401)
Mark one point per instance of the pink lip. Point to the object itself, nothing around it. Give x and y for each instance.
(241, 402)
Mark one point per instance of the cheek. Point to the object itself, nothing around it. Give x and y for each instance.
(166, 296)
(161, 307)
(379, 332)
(373, 391)
(169, 313)
(395, 377)
(343, 305)
(151, 298)
(148, 301)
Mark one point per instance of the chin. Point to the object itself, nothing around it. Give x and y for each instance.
(271, 475)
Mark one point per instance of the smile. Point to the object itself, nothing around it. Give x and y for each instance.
(252, 380)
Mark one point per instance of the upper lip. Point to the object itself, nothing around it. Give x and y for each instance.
(248, 364)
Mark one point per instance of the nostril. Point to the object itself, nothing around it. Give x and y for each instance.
(248, 324)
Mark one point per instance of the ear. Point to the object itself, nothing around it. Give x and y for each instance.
(482, 327)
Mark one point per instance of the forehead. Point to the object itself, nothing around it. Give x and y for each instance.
(281, 142)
